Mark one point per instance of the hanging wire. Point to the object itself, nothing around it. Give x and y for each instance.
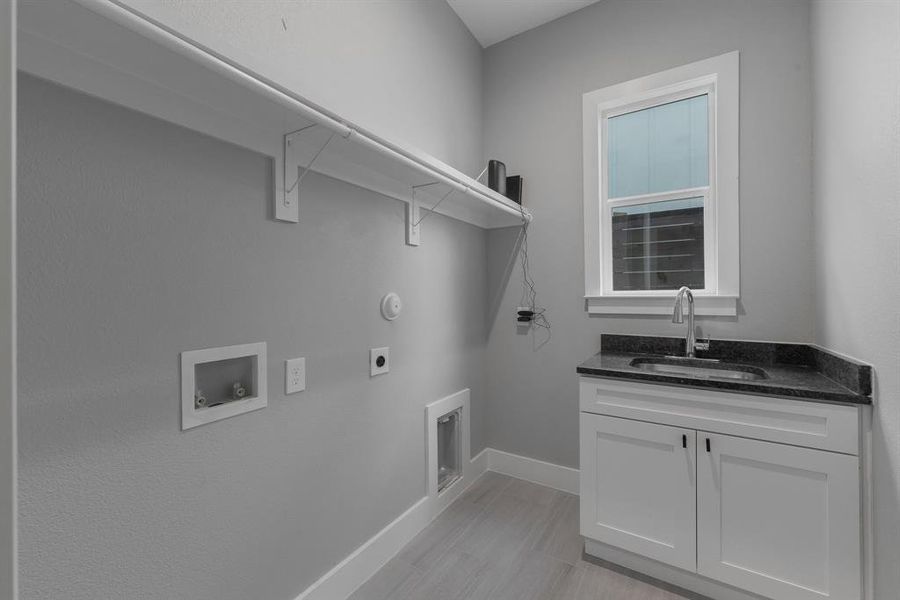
(529, 289)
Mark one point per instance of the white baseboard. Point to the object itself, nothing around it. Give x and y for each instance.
(344, 579)
(365, 561)
(479, 463)
(530, 469)
(642, 565)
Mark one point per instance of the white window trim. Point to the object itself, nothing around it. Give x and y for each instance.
(719, 77)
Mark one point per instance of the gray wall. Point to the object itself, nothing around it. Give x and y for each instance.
(140, 240)
(144, 240)
(407, 70)
(856, 49)
(533, 88)
(7, 301)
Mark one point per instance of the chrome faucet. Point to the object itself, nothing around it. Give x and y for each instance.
(678, 317)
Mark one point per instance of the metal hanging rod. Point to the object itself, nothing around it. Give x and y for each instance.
(169, 38)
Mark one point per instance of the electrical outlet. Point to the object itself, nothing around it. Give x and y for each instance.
(294, 375)
(379, 361)
(528, 319)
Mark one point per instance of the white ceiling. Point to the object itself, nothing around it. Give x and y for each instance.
(492, 21)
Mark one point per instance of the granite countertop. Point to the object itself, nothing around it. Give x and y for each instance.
(797, 371)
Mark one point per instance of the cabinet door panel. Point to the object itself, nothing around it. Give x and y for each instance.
(778, 520)
(638, 488)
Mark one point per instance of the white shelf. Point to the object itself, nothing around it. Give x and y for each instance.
(110, 51)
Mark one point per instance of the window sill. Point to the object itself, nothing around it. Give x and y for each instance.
(709, 306)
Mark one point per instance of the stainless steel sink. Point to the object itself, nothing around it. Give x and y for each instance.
(698, 368)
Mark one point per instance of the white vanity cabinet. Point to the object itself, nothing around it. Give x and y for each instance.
(641, 485)
(717, 492)
(778, 520)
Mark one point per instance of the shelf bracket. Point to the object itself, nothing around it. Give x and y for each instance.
(436, 204)
(412, 213)
(290, 175)
(412, 221)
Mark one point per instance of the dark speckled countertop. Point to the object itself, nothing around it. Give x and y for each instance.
(796, 371)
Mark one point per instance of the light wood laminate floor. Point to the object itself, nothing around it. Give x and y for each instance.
(504, 539)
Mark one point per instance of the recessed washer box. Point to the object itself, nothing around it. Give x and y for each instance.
(217, 383)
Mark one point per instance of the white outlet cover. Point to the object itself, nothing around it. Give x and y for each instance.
(374, 354)
(294, 375)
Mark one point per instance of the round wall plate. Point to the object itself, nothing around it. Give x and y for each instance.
(391, 306)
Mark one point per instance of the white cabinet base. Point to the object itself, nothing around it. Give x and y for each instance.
(666, 574)
(778, 520)
(638, 488)
(773, 510)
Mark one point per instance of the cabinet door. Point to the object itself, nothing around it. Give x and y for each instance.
(638, 488)
(778, 520)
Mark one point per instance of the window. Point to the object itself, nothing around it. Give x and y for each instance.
(661, 190)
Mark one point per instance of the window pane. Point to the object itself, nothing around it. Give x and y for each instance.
(659, 149)
(658, 245)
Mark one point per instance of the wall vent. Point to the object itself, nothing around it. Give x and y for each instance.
(447, 436)
(449, 465)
